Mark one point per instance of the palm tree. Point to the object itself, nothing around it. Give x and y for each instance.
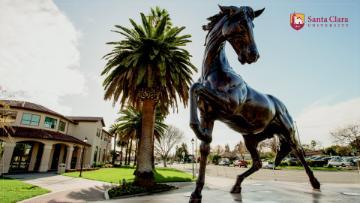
(128, 127)
(148, 66)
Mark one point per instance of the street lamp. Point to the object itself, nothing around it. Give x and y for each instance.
(183, 155)
(82, 157)
(193, 170)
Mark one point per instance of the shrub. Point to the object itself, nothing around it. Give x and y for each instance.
(215, 159)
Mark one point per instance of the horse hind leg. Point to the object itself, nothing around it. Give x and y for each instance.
(284, 150)
(289, 135)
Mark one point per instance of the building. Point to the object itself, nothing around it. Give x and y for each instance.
(40, 139)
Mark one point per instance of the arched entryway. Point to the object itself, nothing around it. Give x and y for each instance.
(75, 157)
(59, 155)
(2, 145)
(26, 156)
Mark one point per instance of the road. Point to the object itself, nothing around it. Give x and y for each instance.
(346, 177)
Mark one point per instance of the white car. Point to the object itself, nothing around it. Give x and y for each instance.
(339, 161)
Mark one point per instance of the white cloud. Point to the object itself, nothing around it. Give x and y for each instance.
(316, 121)
(39, 56)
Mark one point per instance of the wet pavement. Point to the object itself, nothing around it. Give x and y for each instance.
(216, 191)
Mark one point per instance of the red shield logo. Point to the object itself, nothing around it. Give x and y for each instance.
(297, 20)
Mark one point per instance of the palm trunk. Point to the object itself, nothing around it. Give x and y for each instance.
(144, 175)
(126, 153)
(130, 149)
(121, 155)
(114, 155)
(136, 149)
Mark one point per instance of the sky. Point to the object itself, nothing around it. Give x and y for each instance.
(51, 54)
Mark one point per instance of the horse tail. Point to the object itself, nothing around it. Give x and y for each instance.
(286, 132)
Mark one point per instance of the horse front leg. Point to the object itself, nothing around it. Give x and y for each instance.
(201, 133)
(251, 144)
(206, 124)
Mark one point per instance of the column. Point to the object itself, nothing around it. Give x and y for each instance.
(35, 150)
(69, 153)
(45, 158)
(61, 155)
(6, 158)
(51, 157)
(78, 158)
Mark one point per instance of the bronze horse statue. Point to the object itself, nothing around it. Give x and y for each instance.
(222, 94)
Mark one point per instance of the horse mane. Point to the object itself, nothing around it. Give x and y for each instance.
(213, 20)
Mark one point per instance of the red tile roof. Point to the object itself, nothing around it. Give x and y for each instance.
(36, 107)
(33, 107)
(42, 134)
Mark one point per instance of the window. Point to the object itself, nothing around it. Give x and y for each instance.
(98, 132)
(7, 116)
(62, 125)
(50, 122)
(30, 119)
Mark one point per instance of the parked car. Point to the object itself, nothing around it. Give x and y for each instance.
(224, 162)
(340, 161)
(268, 165)
(241, 163)
(291, 161)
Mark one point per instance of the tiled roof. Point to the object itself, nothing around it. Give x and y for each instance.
(36, 107)
(33, 107)
(42, 134)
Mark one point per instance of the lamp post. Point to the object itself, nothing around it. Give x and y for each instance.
(183, 155)
(82, 158)
(193, 170)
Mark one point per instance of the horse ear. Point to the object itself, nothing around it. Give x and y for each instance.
(227, 9)
(258, 12)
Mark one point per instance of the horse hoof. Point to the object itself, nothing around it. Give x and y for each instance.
(236, 197)
(315, 184)
(195, 198)
(236, 190)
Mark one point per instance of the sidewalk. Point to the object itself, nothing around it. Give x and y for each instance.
(63, 188)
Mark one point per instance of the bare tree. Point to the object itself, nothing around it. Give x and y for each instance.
(348, 135)
(271, 144)
(240, 149)
(165, 143)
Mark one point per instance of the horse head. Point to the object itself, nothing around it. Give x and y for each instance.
(238, 31)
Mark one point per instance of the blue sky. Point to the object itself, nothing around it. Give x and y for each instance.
(314, 71)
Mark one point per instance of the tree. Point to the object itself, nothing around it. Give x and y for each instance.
(181, 151)
(148, 66)
(348, 135)
(128, 127)
(313, 144)
(165, 144)
(338, 150)
(240, 149)
(218, 149)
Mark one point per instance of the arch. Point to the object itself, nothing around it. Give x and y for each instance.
(26, 156)
(20, 139)
(2, 145)
(59, 153)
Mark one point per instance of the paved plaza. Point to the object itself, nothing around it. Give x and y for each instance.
(266, 186)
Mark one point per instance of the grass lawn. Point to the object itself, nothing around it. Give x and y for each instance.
(12, 190)
(114, 175)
